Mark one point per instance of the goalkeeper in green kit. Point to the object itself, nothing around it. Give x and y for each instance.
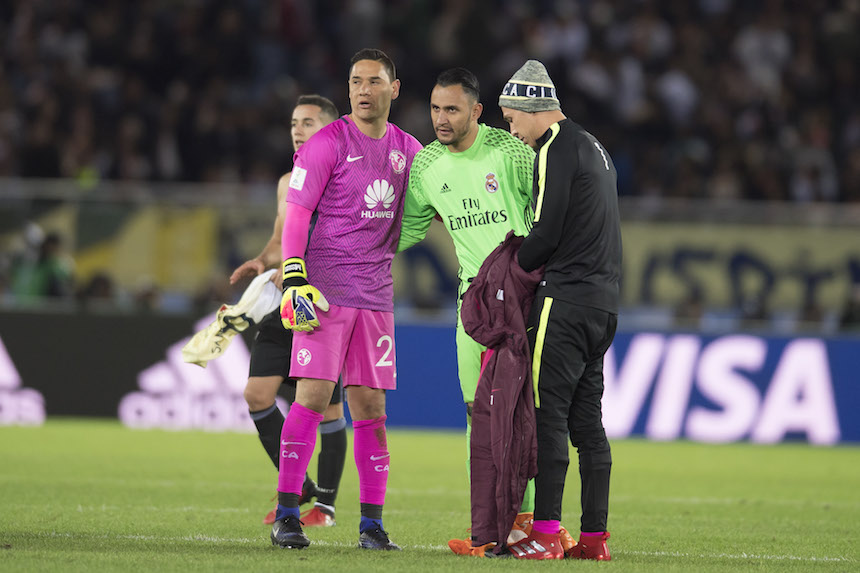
(478, 180)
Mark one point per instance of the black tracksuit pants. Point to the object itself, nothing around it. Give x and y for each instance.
(568, 342)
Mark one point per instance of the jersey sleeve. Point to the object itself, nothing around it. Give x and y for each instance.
(417, 212)
(312, 168)
(524, 162)
(556, 168)
(518, 159)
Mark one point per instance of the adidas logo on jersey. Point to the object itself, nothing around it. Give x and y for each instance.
(445, 188)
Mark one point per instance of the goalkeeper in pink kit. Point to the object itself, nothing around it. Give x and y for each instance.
(338, 296)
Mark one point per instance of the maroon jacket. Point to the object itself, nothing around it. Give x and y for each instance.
(503, 445)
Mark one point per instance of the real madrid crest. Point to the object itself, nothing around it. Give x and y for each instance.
(491, 184)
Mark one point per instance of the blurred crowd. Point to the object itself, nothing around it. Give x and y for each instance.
(39, 272)
(38, 269)
(713, 99)
(724, 99)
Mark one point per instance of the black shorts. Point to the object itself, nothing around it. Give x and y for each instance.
(270, 356)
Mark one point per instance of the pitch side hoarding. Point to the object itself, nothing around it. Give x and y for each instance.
(661, 385)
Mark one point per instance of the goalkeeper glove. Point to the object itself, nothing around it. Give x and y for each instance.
(300, 298)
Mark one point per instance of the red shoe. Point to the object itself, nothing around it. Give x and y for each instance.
(315, 517)
(538, 546)
(591, 547)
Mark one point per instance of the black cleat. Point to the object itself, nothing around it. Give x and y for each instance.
(377, 538)
(309, 490)
(504, 553)
(287, 533)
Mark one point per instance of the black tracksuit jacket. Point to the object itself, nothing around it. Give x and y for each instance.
(576, 232)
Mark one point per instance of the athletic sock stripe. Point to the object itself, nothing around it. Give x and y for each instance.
(332, 426)
(260, 414)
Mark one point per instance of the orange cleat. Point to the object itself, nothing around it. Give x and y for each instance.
(464, 547)
(309, 491)
(568, 543)
(591, 547)
(461, 546)
(522, 527)
(481, 550)
(270, 517)
(316, 517)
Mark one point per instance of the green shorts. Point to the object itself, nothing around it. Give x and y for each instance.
(469, 354)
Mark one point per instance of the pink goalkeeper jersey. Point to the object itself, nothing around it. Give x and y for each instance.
(356, 185)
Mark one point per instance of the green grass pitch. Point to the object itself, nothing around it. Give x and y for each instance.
(85, 495)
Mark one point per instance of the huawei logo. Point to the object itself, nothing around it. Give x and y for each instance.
(380, 191)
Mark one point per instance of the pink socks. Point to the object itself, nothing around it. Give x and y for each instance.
(370, 448)
(548, 526)
(298, 438)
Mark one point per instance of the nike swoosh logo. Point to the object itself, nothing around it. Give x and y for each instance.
(376, 458)
(350, 159)
(284, 443)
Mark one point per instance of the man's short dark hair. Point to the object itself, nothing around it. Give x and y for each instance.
(326, 106)
(376, 56)
(460, 77)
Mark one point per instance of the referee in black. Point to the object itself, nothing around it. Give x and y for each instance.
(576, 235)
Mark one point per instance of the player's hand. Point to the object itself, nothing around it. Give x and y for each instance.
(300, 298)
(251, 268)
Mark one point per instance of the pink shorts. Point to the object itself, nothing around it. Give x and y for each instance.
(353, 342)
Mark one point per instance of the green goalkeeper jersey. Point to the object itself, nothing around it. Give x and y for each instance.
(480, 194)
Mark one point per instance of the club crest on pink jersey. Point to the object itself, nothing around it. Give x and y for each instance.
(398, 160)
(303, 356)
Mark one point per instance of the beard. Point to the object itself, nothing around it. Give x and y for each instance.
(452, 137)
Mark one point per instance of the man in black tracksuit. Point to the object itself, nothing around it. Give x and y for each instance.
(576, 234)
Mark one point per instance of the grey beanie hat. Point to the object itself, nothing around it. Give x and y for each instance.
(530, 89)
